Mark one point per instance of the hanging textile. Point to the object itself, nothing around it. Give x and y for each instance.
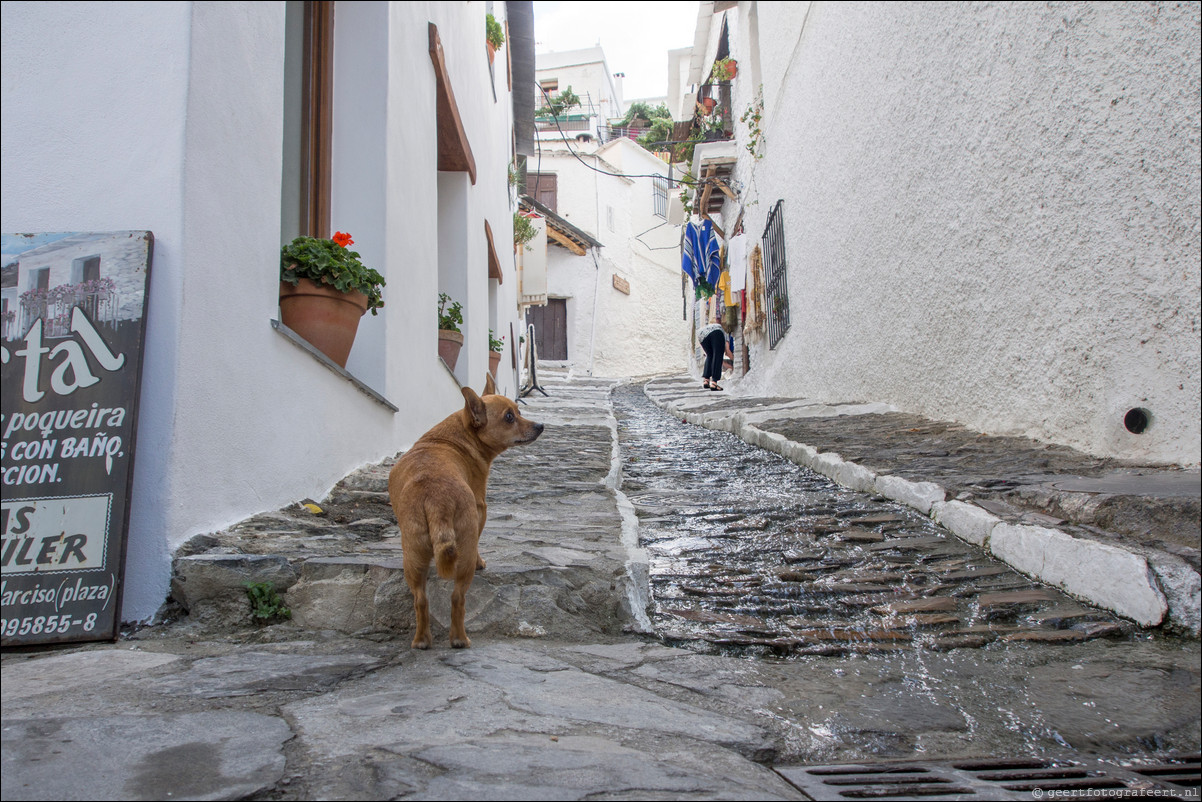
(756, 299)
(700, 256)
(736, 258)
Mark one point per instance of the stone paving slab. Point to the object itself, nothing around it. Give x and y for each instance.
(1121, 536)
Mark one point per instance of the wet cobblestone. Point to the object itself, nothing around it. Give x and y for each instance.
(750, 552)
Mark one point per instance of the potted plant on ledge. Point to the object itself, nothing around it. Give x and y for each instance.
(450, 339)
(494, 36)
(495, 347)
(324, 290)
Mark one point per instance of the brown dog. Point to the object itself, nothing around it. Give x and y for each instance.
(437, 490)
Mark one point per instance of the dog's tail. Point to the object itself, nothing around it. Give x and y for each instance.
(440, 523)
(445, 553)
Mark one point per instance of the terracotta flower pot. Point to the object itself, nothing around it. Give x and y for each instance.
(494, 359)
(709, 104)
(324, 316)
(449, 343)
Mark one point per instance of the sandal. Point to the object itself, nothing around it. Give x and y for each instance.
(715, 387)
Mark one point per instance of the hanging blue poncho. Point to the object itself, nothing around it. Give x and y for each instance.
(701, 258)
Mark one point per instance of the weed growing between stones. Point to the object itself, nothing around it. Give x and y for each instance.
(265, 604)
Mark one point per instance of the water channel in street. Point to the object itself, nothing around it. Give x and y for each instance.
(881, 628)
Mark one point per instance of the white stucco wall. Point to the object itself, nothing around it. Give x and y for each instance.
(168, 117)
(991, 213)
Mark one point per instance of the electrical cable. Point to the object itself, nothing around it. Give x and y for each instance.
(694, 183)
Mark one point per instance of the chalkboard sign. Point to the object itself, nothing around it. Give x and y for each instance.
(73, 327)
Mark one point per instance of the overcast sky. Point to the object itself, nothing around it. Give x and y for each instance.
(636, 36)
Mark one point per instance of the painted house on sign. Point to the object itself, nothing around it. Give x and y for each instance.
(228, 129)
(74, 271)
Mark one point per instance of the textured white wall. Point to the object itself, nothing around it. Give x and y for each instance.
(991, 213)
(168, 117)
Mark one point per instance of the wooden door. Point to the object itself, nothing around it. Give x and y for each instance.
(550, 329)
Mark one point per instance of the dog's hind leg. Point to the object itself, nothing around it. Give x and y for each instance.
(415, 575)
(464, 572)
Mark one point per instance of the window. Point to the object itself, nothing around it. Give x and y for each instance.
(544, 188)
(775, 276)
(308, 98)
(661, 186)
(86, 269)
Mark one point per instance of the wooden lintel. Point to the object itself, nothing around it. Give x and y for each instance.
(494, 264)
(454, 152)
(565, 241)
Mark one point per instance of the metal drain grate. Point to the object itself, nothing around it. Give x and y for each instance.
(1173, 778)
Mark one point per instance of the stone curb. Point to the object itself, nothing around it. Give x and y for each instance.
(1148, 587)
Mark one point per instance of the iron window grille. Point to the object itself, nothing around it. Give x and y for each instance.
(662, 187)
(776, 276)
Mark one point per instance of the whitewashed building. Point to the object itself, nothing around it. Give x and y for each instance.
(226, 129)
(613, 302)
(987, 213)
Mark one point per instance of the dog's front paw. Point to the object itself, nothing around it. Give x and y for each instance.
(461, 643)
(421, 642)
(479, 563)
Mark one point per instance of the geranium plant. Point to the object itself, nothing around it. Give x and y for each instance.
(493, 343)
(331, 261)
(449, 317)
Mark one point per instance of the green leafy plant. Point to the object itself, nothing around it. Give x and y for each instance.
(643, 111)
(558, 105)
(449, 317)
(493, 33)
(265, 603)
(724, 69)
(753, 118)
(330, 261)
(523, 230)
(493, 343)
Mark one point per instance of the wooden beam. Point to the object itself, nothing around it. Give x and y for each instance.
(566, 241)
(494, 264)
(726, 190)
(454, 152)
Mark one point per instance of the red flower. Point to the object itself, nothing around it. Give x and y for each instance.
(343, 239)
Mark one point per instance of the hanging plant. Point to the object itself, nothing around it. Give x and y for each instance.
(523, 230)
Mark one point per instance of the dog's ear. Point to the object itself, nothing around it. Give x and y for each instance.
(477, 413)
(490, 386)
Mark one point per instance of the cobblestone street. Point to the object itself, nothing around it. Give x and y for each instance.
(750, 550)
(667, 612)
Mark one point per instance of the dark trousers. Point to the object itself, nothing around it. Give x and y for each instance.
(714, 346)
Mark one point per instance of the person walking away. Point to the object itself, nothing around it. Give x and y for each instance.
(713, 342)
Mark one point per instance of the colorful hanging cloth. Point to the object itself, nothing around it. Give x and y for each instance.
(701, 256)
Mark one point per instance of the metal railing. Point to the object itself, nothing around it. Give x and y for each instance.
(776, 276)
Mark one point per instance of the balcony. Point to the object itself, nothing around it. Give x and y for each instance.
(714, 115)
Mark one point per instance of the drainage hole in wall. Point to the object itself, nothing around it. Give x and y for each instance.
(1137, 420)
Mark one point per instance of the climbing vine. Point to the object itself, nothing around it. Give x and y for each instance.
(752, 118)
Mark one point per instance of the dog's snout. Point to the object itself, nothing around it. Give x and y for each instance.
(538, 428)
